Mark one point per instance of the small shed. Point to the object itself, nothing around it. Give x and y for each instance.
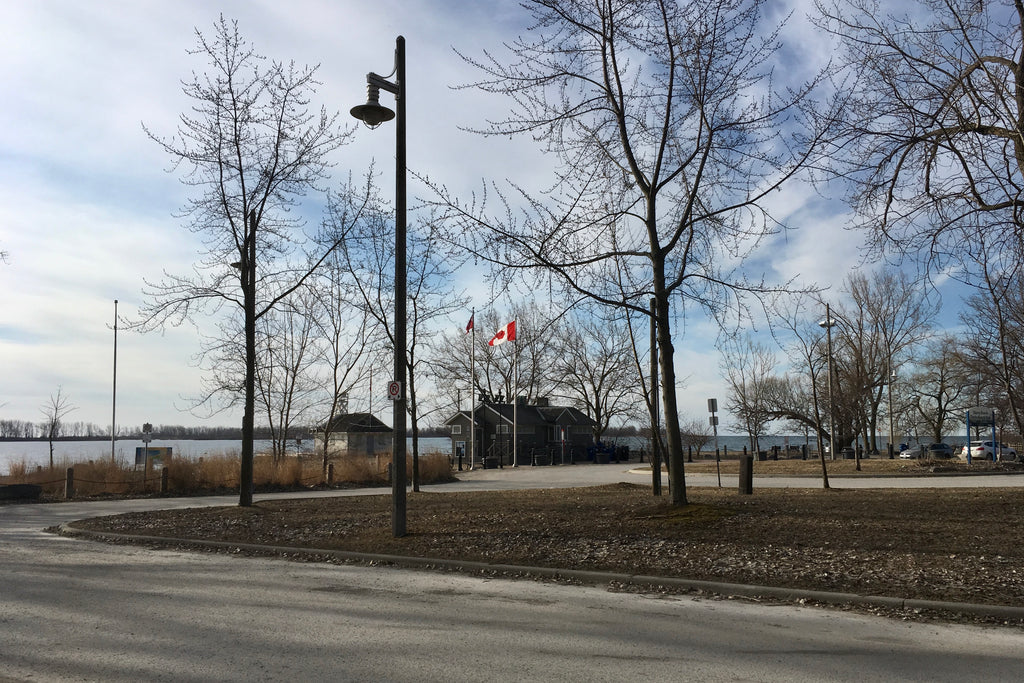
(358, 434)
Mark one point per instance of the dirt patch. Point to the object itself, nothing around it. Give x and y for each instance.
(957, 545)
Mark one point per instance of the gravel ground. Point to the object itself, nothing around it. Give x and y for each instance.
(955, 545)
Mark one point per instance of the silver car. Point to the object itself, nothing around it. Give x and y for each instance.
(913, 453)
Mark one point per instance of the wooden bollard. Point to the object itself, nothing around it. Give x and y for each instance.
(746, 475)
(69, 484)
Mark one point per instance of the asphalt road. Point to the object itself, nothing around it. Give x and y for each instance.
(84, 611)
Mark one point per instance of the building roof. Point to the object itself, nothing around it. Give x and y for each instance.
(528, 414)
(358, 422)
(566, 415)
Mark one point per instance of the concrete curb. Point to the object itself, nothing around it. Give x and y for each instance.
(594, 578)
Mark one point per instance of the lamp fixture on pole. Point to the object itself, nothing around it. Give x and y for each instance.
(373, 113)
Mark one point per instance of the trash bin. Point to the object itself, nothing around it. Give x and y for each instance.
(20, 492)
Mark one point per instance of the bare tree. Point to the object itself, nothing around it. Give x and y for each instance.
(251, 146)
(593, 368)
(431, 296)
(669, 135)
(286, 357)
(798, 398)
(450, 356)
(885, 317)
(934, 136)
(748, 368)
(345, 339)
(933, 127)
(54, 412)
(939, 389)
(993, 349)
(697, 433)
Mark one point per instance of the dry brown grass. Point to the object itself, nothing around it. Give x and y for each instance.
(187, 476)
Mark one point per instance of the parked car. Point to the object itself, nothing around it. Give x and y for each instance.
(934, 451)
(912, 453)
(939, 450)
(983, 450)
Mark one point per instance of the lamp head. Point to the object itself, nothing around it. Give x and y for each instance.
(373, 113)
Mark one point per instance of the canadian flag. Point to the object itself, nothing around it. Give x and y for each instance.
(469, 325)
(505, 334)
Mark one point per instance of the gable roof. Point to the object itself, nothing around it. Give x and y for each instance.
(528, 415)
(566, 415)
(464, 414)
(358, 422)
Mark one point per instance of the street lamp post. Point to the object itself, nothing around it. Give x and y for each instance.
(113, 410)
(373, 114)
(892, 432)
(828, 323)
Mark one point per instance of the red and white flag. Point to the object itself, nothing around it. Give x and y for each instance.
(507, 333)
(469, 325)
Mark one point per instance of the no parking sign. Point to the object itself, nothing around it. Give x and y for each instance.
(394, 391)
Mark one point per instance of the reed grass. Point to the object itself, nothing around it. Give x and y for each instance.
(186, 476)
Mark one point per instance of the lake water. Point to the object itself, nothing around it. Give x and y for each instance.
(38, 452)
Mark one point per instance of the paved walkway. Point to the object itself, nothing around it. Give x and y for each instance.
(562, 476)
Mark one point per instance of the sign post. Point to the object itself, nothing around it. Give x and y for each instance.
(713, 408)
(982, 416)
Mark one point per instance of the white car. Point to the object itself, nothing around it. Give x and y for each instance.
(983, 450)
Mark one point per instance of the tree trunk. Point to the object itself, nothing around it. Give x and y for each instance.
(245, 475)
(414, 427)
(674, 446)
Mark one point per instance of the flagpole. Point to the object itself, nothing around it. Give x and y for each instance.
(472, 391)
(508, 333)
(515, 401)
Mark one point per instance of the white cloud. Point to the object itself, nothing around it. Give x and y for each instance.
(87, 208)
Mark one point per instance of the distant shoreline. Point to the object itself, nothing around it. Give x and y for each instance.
(127, 437)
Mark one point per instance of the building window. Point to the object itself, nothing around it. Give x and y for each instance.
(504, 429)
(456, 429)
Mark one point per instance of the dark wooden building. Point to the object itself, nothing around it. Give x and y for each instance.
(552, 433)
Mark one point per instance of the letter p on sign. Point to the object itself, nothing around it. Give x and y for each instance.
(394, 390)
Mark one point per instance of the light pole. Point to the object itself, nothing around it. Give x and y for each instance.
(113, 409)
(828, 323)
(892, 432)
(373, 114)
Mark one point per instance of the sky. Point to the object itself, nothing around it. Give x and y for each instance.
(87, 206)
